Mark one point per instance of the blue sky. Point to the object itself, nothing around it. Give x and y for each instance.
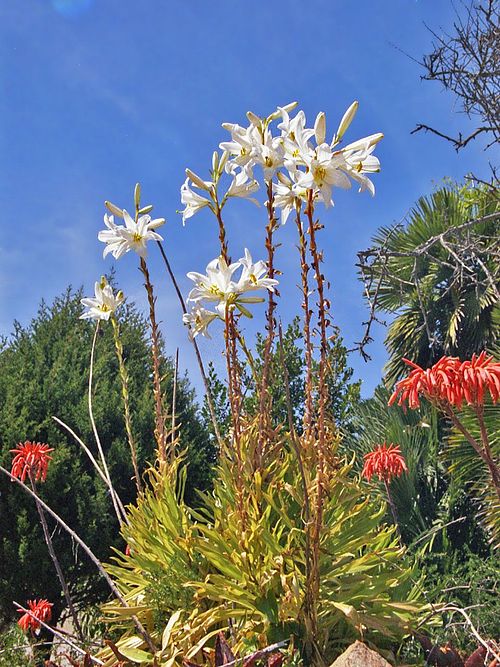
(96, 95)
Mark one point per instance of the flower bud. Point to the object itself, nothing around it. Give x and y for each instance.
(197, 180)
(320, 128)
(215, 161)
(347, 119)
(283, 179)
(103, 282)
(254, 119)
(137, 195)
(113, 209)
(287, 107)
(223, 160)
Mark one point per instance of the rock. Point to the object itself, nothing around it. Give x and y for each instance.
(359, 655)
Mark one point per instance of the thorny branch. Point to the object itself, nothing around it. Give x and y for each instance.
(469, 253)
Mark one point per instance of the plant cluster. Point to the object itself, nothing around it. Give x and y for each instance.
(289, 552)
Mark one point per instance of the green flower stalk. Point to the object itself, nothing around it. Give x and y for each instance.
(160, 429)
(126, 402)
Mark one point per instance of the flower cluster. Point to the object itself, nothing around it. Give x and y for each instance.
(41, 610)
(385, 461)
(299, 157)
(219, 287)
(450, 382)
(104, 304)
(31, 460)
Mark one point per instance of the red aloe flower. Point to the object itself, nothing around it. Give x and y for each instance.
(477, 375)
(450, 381)
(385, 461)
(31, 459)
(436, 383)
(41, 609)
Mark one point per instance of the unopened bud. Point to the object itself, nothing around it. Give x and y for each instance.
(287, 107)
(120, 296)
(137, 196)
(103, 282)
(215, 161)
(283, 179)
(113, 209)
(347, 119)
(320, 128)
(254, 119)
(223, 160)
(197, 180)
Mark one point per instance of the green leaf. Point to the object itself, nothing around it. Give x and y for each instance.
(136, 654)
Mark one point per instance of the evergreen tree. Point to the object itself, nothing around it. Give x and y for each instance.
(44, 370)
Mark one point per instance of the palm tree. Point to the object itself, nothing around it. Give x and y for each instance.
(439, 276)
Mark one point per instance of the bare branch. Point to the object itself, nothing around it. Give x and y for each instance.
(466, 62)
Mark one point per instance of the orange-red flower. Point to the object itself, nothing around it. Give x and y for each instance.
(41, 610)
(31, 459)
(480, 374)
(385, 461)
(450, 382)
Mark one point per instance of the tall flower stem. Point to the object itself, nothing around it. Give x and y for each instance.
(117, 504)
(264, 407)
(126, 402)
(208, 391)
(392, 506)
(234, 393)
(160, 430)
(55, 560)
(230, 335)
(304, 271)
(222, 232)
(322, 391)
(248, 355)
(140, 628)
(93, 461)
(174, 407)
(309, 602)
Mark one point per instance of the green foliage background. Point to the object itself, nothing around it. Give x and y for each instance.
(43, 372)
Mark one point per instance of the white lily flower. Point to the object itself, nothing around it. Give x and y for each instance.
(295, 137)
(240, 148)
(360, 161)
(198, 320)
(324, 172)
(217, 284)
(134, 235)
(103, 305)
(243, 185)
(269, 154)
(286, 195)
(193, 201)
(253, 275)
